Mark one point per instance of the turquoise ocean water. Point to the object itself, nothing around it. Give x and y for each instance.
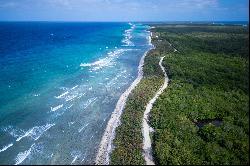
(59, 84)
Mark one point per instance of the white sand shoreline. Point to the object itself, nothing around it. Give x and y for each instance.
(105, 147)
(146, 129)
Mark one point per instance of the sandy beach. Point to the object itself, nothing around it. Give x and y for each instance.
(105, 147)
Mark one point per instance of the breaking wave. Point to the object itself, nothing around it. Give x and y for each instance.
(6, 147)
(128, 36)
(36, 132)
(23, 155)
(56, 107)
(107, 61)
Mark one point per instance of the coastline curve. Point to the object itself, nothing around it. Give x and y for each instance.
(105, 146)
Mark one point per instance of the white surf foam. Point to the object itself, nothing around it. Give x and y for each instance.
(70, 123)
(127, 42)
(56, 108)
(36, 95)
(6, 147)
(98, 64)
(69, 106)
(70, 97)
(84, 156)
(89, 101)
(63, 88)
(75, 155)
(80, 130)
(23, 155)
(83, 159)
(36, 132)
(128, 36)
(25, 135)
(63, 94)
(80, 95)
(107, 61)
(114, 80)
(91, 138)
(74, 87)
(13, 132)
(74, 159)
(150, 39)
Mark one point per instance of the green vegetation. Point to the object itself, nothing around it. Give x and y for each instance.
(203, 115)
(232, 40)
(128, 141)
(209, 80)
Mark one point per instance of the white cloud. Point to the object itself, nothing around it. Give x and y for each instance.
(7, 4)
(124, 9)
(205, 3)
(61, 3)
(191, 4)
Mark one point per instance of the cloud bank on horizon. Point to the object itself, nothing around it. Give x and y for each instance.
(124, 10)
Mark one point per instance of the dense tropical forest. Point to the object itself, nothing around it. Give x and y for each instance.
(128, 141)
(203, 115)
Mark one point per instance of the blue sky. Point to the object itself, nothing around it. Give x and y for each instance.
(124, 10)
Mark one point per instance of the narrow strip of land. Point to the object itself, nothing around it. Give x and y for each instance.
(146, 128)
(109, 134)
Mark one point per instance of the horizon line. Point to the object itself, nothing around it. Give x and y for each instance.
(124, 21)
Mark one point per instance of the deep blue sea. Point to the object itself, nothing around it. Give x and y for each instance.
(59, 84)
